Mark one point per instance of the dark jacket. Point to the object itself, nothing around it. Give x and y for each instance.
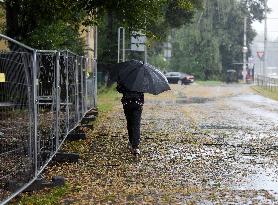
(130, 96)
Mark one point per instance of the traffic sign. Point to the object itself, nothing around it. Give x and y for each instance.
(260, 54)
(138, 41)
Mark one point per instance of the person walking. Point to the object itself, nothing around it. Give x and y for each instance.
(133, 105)
(134, 78)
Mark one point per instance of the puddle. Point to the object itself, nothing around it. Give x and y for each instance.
(181, 100)
(219, 127)
(263, 179)
(253, 173)
(160, 102)
(191, 100)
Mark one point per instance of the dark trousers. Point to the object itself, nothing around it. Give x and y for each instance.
(133, 113)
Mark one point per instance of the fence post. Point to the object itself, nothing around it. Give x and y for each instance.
(76, 89)
(95, 83)
(35, 111)
(82, 85)
(67, 91)
(86, 86)
(95, 64)
(57, 114)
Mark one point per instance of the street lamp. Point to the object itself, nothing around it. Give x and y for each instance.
(265, 38)
(244, 51)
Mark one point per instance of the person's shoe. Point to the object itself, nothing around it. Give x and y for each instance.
(135, 151)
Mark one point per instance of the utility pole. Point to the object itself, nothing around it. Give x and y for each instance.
(123, 44)
(265, 38)
(95, 64)
(244, 50)
(146, 52)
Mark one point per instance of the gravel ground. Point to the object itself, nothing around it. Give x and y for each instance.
(200, 145)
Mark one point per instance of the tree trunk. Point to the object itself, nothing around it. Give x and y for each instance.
(12, 19)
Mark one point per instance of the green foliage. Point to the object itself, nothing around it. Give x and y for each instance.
(135, 15)
(45, 24)
(57, 35)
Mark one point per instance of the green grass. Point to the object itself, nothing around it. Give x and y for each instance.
(209, 82)
(49, 197)
(107, 98)
(267, 93)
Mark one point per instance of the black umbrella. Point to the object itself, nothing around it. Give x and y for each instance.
(141, 77)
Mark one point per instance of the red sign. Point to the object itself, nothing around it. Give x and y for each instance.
(260, 54)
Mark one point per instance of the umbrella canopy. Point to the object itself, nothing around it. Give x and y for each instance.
(141, 77)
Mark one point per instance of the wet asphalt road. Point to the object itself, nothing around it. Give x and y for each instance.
(200, 145)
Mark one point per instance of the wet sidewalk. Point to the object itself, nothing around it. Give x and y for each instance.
(200, 145)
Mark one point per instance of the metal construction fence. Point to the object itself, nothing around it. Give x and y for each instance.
(43, 97)
(268, 83)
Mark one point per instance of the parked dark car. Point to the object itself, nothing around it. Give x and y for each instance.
(179, 78)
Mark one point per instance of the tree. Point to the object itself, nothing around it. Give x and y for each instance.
(139, 15)
(214, 40)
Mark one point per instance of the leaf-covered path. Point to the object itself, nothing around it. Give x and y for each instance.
(200, 145)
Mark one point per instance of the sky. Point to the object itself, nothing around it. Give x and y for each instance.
(272, 24)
